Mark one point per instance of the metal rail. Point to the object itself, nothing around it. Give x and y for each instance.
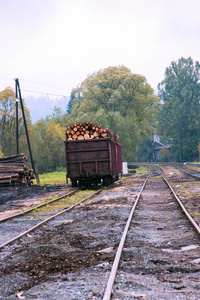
(188, 172)
(182, 206)
(113, 272)
(38, 206)
(108, 290)
(48, 219)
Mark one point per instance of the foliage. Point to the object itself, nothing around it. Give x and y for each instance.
(48, 145)
(8, 124)
(164, 155)
(146, 151)
(116, 98)
(41, 152)
(69, 105)
(55, 136)
(1, 153)
(179, 120)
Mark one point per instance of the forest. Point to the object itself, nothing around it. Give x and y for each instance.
(122, 101)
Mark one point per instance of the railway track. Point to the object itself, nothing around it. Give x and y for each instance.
(28, 210)
(11, 225)
(160, 254)
(189, 172)
(170, 211)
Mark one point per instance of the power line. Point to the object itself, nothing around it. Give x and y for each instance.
(44, 84)
(36, 92)
(41, 83)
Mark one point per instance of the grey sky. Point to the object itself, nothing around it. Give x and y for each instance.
(52, 45)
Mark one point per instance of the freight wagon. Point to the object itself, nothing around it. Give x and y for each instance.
(93, 161)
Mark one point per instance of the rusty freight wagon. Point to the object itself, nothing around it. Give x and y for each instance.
(92, 161)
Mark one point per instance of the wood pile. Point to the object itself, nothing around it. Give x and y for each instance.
(13, 171)
(88, 130)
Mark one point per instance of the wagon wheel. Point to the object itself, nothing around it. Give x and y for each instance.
(108, 180)
(74, 182)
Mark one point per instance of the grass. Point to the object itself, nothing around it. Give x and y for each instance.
(52, 178)
(63, 203)
(59, 177)
(194, 214)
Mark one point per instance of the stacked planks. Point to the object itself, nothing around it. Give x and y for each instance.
(13, 171)
(88, 130)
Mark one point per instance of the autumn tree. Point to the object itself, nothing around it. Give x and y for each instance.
(48, 145)
(41, 151)
(179, 120)
(55, 136)
(116, 98)
(8, 123)
(1, 153)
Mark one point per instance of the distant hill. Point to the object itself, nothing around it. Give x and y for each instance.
(42, 106)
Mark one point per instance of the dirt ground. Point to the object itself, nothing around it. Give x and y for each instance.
(71, 256)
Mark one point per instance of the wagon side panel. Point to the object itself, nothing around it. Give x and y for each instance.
(86, 159)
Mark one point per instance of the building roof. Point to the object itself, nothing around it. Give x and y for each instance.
(159, 146)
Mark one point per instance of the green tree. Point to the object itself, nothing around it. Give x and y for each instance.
(123, 101)
(69, 105)
(179, 117)
(164, 155)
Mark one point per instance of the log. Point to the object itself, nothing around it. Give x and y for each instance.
(13, 171)
(80, 137)
(89, 130)
(86, 136)
(96, 134)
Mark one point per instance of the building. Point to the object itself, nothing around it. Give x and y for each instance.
(157, 146)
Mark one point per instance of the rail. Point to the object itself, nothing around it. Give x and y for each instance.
(112, 276)
(110, 282)
(38, 206)
(50, 218)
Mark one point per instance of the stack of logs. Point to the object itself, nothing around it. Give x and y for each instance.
(88, 130)
(13, 171)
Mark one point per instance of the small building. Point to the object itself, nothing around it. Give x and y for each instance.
(157, 146)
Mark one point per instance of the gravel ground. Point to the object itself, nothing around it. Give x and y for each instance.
(71, 256)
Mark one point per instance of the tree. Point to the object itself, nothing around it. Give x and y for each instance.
(1, 153)
(7, 120)
(41, 152)
(48, 146)
(55, 136)
(69, 105)
(122, 101)
(8, 123)
(179, 117)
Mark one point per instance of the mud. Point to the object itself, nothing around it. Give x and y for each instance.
(71, 256)
(15, 199)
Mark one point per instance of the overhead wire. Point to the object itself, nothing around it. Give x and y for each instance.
(45, 93)
(42, 92)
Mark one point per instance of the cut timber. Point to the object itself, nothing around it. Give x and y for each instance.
(13, 171)
(80, 137)
(96, 134)
(89, 130)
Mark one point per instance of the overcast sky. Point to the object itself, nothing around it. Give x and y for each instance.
(52, 45)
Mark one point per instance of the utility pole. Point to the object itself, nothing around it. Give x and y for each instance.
(18, 92)
(17, 130)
